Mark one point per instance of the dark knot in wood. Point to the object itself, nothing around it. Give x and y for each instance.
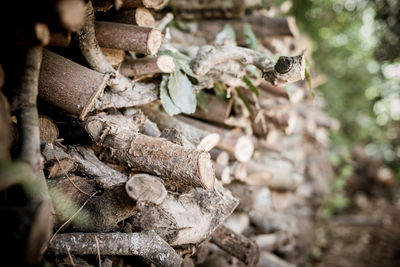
(284, 64)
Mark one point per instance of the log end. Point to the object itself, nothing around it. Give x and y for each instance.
(144, 18)
(166, 64)
(72, 14)
(244, 149)
(42, 33)
(206, 171)
(154, 41)
(155, 4)
(48, 129)
(209, 142)
(145, 187)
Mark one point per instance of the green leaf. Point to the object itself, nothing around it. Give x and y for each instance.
(181, 91)
(250, 37)
(182, 61)
(202, 100)
(220, 90)
(264, 4)
(227, 35)
(250, 85)
(245, 101)
(308, 77)
(166, 100)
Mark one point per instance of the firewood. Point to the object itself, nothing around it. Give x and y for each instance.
(175, 136)
(101, 213)
(146, 244)
(218, 110)
(61, 39)
(162, 24)
(222, 173)
(69, 85)
(71, 13)
(195, 9)
(278, 241)
(161, 64)
(236, 244)
(219, 156)
(145, 187)
(151, 154)
(90, 49)
(139, 94)
(286, 69)
(156, 4)
(187, 218)
(128, 37)
(48, 129)
(234, 141)
(57, 161)
(91, 166)
(268, 259)
(238, 222)
(163, 120)
(114, 56)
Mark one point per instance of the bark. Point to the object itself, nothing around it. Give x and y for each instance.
(163, 23)
(147, 188)
(175, 136)
(88, 163)
(271, 260)
(236, 244)
(182, 167)
(161, 64)
(139, 94)
(218, 110)
(57, 162)
(61, 39)
(91, 51)
(146, 244)
(187, 218)
(69, 85)
(128, 37)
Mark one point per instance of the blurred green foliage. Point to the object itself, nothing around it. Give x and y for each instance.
(356, 43)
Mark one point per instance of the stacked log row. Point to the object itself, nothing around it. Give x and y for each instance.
(232, 184)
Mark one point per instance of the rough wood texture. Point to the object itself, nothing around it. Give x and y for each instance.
(156, 4)
(68, 85)
(175, 136)
(48, 129)
(218, 110)
(236, 244)
(90, 49)
(152, 154)
(147, 188)
(146, 244)
(88, 163)
(101, 213)
(57, 161)
(137, 67)
(128, 37)
(187, 218)
(195, 9)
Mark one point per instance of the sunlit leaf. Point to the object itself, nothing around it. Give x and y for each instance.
(250, 85)
(181, 92)
(166, 100)
(308, 77)
(250, 37)
(220, 90)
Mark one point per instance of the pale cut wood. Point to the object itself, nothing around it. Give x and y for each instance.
(145, 187)
(146, 244)
(144, 18)
(222, 173)
(71, 14)
(114, 56)
(179, 166)
(156, 4)
(209, 142)
(137, 67)
(128, 37)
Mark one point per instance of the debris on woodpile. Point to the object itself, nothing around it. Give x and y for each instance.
(159, 139)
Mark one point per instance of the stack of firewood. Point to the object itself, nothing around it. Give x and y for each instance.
(132, 176)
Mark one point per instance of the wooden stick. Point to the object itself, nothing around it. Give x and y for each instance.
(146, 244)
(162, 24)
(187, 218)
(218, 110)
(154, 155)
(68, 85)
(156, 4)
(128, 37)
(147, 188)
(237, 245)
(161, 64)
(91, 51)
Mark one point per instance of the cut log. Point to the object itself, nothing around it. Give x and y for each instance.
(195, 9)
(147, 245)
(163, 23)
(91, 166)
(57, 162)
(188, 218)
(156, 4)
(218, 110)
(68, 85)
(236, 244)
(147, 188)
(268, 259)
(222, 173)
(71, 14)
(101, 213)
(234, 141)
(114, 56)
(137, 67)
(175, 136)
(48, 129)
(90, 49)
(128, 37)
(151, 154)
(144, 18)
(140, 17)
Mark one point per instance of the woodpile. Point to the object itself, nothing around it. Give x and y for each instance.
(153, 144)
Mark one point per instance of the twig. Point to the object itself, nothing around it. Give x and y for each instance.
(98, 250)
(162, 24)
(69, 255)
